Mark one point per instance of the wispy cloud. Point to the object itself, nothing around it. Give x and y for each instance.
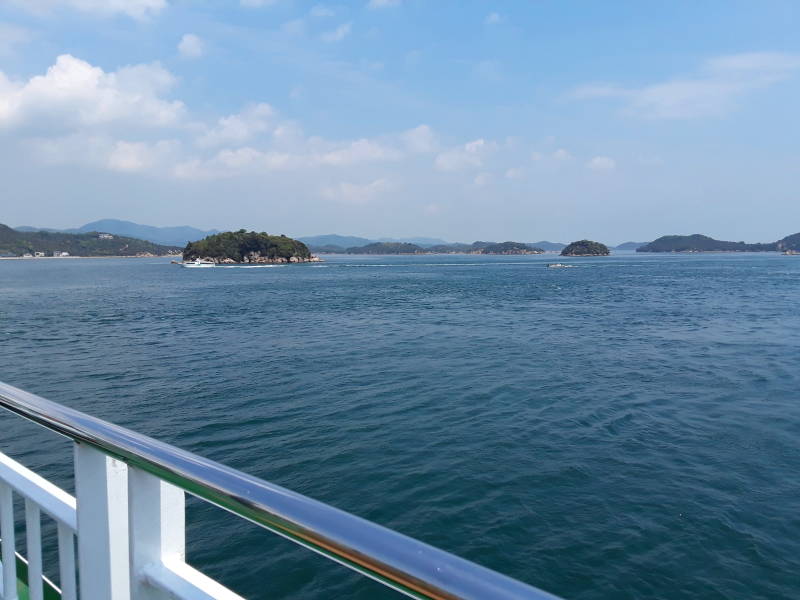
(357, 194)
(383, 3)
(601, 163)
(12, 36)
(191, 46)
(713, 92)
(468, 156)
(493, 18)
(320, 10)
(338, 34)
(138, 9)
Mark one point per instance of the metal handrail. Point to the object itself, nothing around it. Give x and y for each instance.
(403, 563)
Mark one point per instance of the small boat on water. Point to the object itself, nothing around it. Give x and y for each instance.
(559, 266)
(198, 264)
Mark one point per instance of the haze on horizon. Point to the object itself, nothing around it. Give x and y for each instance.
(397, 118)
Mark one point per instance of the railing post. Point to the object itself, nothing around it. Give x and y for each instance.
(9, 546)
(101, 490)
(157, 530)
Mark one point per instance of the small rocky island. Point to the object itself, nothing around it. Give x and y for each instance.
(244, 246)
(585, 248)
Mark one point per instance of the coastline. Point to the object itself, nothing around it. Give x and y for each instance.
(82, 257)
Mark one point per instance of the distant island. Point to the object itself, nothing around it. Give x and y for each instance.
(703, 243)
(630, 245)
(165, 236)
(248, 247)
(585, 248)
(14, 243)
(510, 248)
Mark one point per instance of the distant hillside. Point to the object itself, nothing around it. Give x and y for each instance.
(425, 242)
(631, 245)
(76, 244)
(169, 236)
(387, 248)
(790, 242)
(511, 248)
(340, 242)
(548, 245)
(703, 243)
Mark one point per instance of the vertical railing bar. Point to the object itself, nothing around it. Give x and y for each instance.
(8, 543)
(66, 563)
(33, 535)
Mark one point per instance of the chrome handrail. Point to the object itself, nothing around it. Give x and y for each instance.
(400, 562)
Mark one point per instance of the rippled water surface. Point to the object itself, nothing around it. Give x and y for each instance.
(629, 428)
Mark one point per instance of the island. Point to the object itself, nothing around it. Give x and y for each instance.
(585, 248)
(510, 248)
(39, 244)
(387, 248)
(231, 247)
(702, 243)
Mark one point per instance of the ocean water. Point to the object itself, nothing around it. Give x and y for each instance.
(629, 428)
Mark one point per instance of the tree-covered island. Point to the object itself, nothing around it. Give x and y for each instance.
(585, 248)
(248, 247)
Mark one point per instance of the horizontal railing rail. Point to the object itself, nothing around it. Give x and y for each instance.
(403, 563)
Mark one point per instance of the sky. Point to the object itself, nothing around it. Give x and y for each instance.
(519, 120)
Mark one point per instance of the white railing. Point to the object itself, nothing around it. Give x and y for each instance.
(128, 517)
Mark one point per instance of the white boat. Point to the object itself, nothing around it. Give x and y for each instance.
(559, 266)
(198, 264)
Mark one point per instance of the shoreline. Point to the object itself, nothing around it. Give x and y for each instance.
(81, 257)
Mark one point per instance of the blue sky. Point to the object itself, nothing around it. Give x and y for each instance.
(521, 120)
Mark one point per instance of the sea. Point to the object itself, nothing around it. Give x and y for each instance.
(627, 428)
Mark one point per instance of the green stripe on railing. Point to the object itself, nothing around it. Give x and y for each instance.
(50, 591)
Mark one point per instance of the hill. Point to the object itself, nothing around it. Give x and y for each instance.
(631, 245)
(510, 248)
(425, 242)
(169, 236)
(544, 245)
(315, 242)
(76, 244)
(703, 243)
(247, 247)
(790, 242)
(387, 248)
(585, 248)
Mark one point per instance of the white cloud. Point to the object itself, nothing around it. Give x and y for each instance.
(257, 3)
(294, 27)
(383, 3)
(470, 155)
(536, 156)
(138, 9)
(602, 163)
(714, 92)
(139, 156)
(338, 34)
(354, 193)
(239, 128)
(432, 209)
(489, 70)
(515, 173)
(12, 36)
(420, 140)
(320, 10)
(493, 19)
(561, 154)
(191, 46)
(74, 93)
(358, 151)
(482, 179)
